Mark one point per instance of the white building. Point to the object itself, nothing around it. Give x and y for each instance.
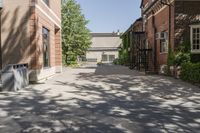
(104, 47)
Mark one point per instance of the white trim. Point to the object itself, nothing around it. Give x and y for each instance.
(195, 51)
(51, 10)
(41, 74)
(195, 26)
(167, 45)
(33, 4)
(38, 7)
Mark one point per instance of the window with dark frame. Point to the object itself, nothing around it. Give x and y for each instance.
(46, 43)
(195, 39)
(111, 58)
(104, 57)
(46, 2)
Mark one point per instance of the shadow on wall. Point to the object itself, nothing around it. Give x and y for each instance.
(183, 20)
(125, 102)
(18, 39)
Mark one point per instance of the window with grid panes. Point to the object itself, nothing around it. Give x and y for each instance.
(104, 57)
(163, 46)
(111, 58)
(195, 38)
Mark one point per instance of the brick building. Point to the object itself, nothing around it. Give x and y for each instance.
(167, 24)
(31, 33)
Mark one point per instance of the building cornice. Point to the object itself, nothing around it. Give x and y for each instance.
(104, 34)
(156, 4)
(57, 22)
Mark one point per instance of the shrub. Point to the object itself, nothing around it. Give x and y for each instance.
(190, 72)
(116, 61)
(99, 63)
(120, 61)
(181, 57)
(185, 47)
(170, 58)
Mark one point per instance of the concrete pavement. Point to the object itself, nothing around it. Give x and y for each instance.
(104, 99)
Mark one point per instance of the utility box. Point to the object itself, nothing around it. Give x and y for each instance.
(14, 77)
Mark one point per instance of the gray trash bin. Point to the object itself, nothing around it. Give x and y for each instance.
(14, 77)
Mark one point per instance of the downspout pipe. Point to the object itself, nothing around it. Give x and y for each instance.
(155, 46)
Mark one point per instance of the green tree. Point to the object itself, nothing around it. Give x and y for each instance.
(75, 35)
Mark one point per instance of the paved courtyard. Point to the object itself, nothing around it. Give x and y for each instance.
(104, 99)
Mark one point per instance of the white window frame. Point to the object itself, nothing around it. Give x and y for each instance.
(191, 38)
(165, 43)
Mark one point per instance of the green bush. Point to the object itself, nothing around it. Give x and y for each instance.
(190, 72)
(123, 58)
(185, 47)
(120, 61)
(116, 61)
(170, 58)
(181, 57)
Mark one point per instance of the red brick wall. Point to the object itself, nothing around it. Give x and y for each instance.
(58, 48)
(158, 21)
(33, 39)
(144, 2)
(183, 14)
(150, 31)
(45, 18)
(161, 24)
(186, 13)
(15, 48)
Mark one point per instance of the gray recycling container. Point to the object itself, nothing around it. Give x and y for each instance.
(14, 77)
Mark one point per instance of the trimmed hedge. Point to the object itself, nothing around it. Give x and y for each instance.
(190, 72)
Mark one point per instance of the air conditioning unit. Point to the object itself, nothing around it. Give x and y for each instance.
(158, 35)
(161, 35)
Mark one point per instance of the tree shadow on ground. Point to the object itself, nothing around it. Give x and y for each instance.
(157, 103)
(110, 100)
(41, 114)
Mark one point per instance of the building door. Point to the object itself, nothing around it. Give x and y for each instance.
(46, 60)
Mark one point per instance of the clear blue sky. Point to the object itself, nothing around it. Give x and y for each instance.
(110, 15)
